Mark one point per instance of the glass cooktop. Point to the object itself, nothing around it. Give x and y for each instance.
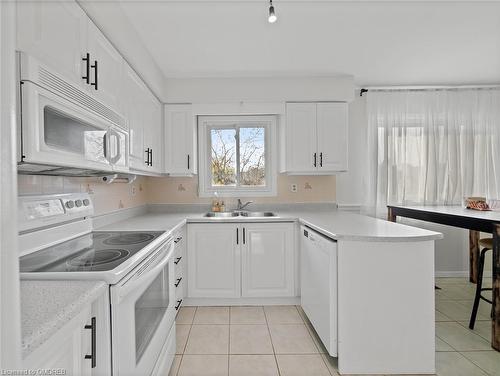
(97, 251)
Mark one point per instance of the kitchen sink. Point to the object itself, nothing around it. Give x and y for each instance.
(221, 214)
(258, 214)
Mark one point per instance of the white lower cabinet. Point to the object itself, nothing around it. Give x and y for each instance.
(267, 260)
(229, 260)
(71, 350)
(214, 261)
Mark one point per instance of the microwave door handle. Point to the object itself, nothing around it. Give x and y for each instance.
(114, 135)
(148, 276)
(105, 145)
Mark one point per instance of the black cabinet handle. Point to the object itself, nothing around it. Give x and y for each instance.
(177, 240)
(189, 161)
(315, 164)
(94, 66)
(151, 157)
(237, 236)
(87, 68)
(179, 302)
(93, 329)
(147, 157)
(244, 240)
(321, 159)
(176, 284)
(177, 260)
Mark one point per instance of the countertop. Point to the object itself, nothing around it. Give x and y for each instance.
(335, 224)
(46, 306)
(457, 210)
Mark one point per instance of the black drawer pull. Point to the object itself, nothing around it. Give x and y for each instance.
(177, 240)
(177, 260)
(178, 282)
(93, 329)
(96, 75)
(87, 68)
(179, 302)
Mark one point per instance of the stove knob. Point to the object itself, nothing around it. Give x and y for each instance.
(70, 204)
(86, 202)
(78, 203)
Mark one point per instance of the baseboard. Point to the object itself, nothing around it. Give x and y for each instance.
(457, 274)
(240, 301)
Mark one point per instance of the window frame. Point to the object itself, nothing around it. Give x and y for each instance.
(208, 122)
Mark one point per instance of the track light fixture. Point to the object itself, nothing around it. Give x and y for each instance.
(272, 16)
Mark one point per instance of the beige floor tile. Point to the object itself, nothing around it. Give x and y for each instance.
(211, 315)
(247, 315)
(175, 365)
(208, 339)
(204, 365)
(292, 339)
(249, 339)
(442, 317)
(488, 361)
(252, 365)
(483, 311)
(483, 328)
(303, 315)
(300, 365)
(462, 292)
(317, 341)
(452, 281)
(181, 336)
(460, 338)
(331, 364)
(185, 315)
(443, 346)
(454, 364)
(282, 315)
(456, 310)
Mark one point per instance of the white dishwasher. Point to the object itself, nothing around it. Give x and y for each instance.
(319, 285)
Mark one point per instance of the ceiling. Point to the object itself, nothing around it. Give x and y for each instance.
(379, 43)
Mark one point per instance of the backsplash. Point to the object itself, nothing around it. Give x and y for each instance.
(106, 197)
(184, 190)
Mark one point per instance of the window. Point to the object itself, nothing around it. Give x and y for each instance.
(237, 156)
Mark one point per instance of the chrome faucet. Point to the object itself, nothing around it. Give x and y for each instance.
(242, 206)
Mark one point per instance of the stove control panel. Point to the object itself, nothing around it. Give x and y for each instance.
(40, 211)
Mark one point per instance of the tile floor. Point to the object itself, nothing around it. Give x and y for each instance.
(279, 341)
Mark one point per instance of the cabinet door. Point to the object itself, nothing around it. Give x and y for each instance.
(301, 137)
(153, 135)
(180, 133)
(214, 261)
(332, 136)
(66, 349)
(268, 254)
(134, 101)
(106, 78)
(55, 33)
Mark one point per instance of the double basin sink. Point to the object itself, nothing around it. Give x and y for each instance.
(252, 214)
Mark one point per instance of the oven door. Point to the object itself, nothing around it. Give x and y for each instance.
(55, 131)
(143, 314)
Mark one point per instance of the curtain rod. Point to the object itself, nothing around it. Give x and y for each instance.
(424, 88)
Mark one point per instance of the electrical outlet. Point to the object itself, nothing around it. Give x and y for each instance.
(293, 188)
(133, 190)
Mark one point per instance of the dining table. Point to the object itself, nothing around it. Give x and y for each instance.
(476, 221)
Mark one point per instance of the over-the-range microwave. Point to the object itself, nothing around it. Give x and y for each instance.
(62, 130)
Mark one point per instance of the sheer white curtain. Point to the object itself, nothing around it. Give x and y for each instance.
(431, 147)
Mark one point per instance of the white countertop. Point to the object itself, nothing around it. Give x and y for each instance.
(334, 224)
(46, 306)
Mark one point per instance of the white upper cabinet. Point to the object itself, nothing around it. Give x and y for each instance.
(144, 114)
(267, 260)
(180, 136)
(106, 68)
(316, 138)
(56, 33)
(60, 34)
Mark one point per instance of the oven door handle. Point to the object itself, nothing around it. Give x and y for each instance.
(144, 276)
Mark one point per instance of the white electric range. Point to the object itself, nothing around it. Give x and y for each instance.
(57, 242)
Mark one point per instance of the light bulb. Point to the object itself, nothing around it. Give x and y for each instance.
(272, 16)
